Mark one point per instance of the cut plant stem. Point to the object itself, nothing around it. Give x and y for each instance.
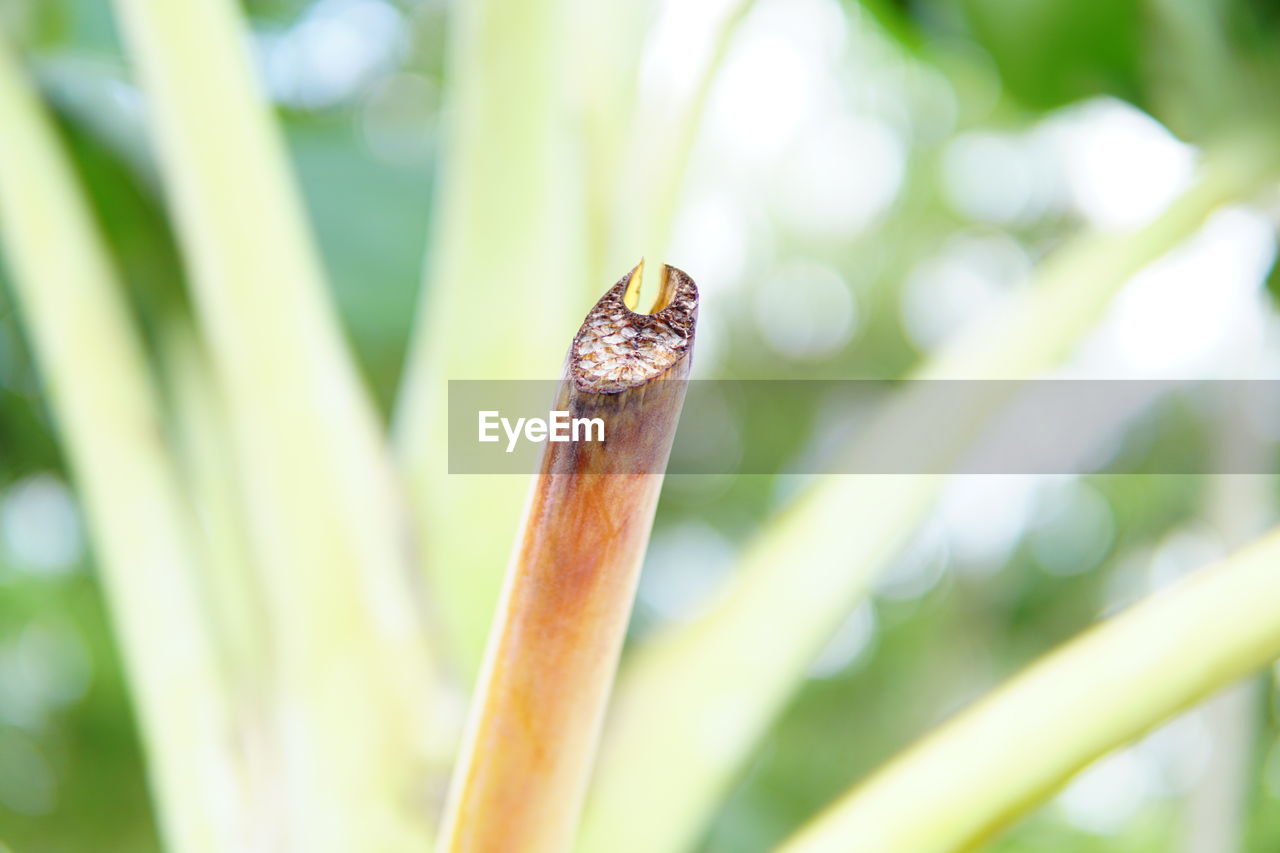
(549, 666)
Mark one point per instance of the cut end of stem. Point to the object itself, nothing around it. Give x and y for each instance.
(618, 348)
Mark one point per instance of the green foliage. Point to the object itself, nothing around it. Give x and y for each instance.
(1053, 52)
(372, 214)
(97, 797)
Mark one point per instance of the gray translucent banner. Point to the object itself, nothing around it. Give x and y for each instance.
(905, 427)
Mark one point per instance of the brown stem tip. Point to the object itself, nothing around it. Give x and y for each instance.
(618, 348)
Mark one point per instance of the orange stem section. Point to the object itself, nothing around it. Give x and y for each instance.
(523, 772)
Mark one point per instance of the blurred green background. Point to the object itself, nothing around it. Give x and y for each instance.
(867, 178)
